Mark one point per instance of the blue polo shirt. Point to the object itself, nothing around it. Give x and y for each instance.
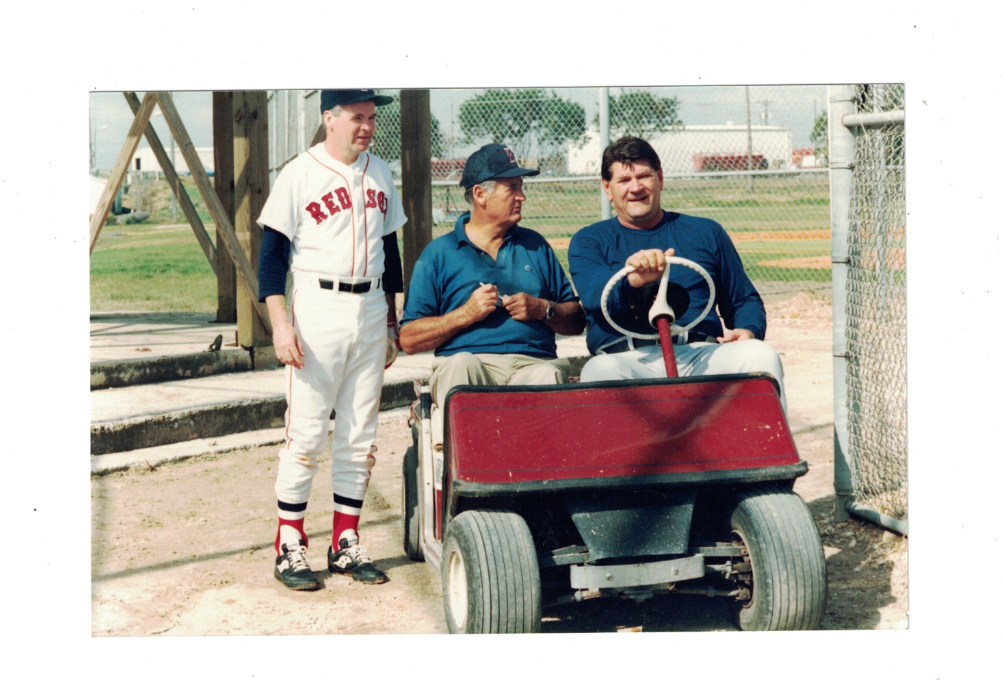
(451, 268)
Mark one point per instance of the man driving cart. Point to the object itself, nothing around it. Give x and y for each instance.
(643, 235)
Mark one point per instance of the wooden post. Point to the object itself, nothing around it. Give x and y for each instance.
(246, 274)
(172, 178)
(223, 182)
(416, 177)
(251, 188)
(121, 166)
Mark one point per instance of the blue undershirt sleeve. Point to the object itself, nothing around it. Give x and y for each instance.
(393, 281)
(273, 263)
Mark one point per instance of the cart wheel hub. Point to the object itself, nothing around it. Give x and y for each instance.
(457, 590)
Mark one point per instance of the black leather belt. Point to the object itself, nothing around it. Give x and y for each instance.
(347, 287)
(623, 346)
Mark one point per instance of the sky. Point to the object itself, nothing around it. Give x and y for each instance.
(790, 106)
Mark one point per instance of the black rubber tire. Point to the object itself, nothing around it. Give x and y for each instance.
(787, 560)
(493, 552)
(410, 505)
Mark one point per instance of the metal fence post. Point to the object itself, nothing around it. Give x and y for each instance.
(605, 139)
(841, 143)
(750, 141)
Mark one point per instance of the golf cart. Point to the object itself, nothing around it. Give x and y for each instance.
(545, 495)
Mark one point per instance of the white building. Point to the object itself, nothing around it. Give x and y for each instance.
(97, 186)
(148, 162)
(677, 149)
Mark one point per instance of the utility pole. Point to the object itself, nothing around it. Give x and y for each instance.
(604, 115)
(750, 143)
(765, 102)
(703, 106)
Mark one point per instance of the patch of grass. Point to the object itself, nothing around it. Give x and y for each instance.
(140, 267)
(143, 267)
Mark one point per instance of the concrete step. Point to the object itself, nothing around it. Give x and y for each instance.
(127, 372)
(153, 415)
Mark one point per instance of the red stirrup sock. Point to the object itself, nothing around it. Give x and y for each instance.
(291, 525)
(347, 511)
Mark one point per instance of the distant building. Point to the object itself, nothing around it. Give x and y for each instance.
(148, 162)
(681, 151)
(97, 186)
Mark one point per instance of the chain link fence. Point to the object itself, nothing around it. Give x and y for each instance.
(876, 330)
(751, 158)
(745, 157)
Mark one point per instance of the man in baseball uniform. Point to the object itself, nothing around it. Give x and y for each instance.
(331, 220)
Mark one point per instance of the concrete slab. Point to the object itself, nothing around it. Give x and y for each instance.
(124, 335)
(175, 412)
(170, 453)
(121, 335)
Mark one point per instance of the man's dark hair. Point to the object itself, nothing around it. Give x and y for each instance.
(627, 151)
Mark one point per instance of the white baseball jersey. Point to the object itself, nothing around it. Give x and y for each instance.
(335, 215)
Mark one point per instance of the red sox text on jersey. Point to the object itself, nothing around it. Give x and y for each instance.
(374, 199)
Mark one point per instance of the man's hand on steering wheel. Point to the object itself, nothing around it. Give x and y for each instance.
(649, 265)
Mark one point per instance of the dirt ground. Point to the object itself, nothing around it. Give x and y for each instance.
(185, 549)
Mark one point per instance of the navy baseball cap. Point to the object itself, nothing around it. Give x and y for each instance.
(333, 98)
(492, 161)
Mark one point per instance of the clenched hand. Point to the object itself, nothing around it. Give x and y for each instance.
(523, 307)
(649, 266)
(481, 303)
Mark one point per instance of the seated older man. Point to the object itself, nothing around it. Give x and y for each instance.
(489, 296)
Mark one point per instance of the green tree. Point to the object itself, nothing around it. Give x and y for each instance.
(387, 140)
(530, 122)
(639, 113)
(818, 138)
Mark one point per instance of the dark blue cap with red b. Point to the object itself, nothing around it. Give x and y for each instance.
(492, 161)
(333, 98)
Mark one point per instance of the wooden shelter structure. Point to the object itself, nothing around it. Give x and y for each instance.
(240, 188)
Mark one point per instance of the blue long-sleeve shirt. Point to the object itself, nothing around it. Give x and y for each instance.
(599, 251)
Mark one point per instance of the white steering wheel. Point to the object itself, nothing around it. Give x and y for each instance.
(660, 306)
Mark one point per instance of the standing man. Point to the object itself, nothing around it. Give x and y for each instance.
(331, 219)
(490, 296)
(644, 235)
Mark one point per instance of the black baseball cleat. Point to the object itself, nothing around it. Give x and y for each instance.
(351, 559)
(293, 570)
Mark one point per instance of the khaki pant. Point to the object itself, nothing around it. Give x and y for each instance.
(465, 368)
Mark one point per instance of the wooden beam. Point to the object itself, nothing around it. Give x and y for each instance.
(251, 189)
(223, 182)
(172, 178)
(121, 166)
(246, 273)
(416, 177)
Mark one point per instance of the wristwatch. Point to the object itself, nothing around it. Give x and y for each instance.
(549, 313)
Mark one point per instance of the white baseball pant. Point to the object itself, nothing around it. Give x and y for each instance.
(700, 358)
(344, 337)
